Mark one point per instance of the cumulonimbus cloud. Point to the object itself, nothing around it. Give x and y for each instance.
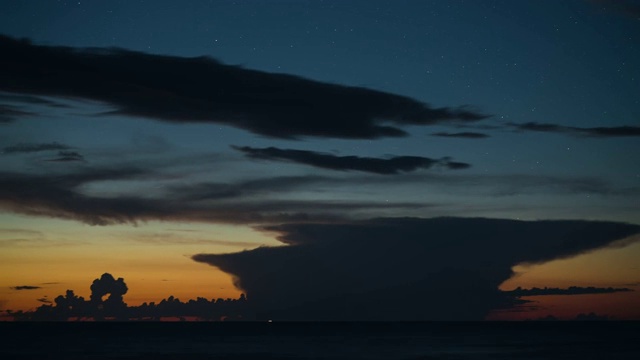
(393, 165)
(180, 90)
(401, 268)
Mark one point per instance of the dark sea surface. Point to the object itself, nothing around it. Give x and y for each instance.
(305, 340)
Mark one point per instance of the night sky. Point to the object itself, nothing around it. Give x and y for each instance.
(332, 160)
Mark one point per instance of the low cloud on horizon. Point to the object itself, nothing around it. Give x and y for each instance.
(360, 270)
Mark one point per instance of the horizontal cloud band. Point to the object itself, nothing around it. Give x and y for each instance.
(394, 165)
(180, 90)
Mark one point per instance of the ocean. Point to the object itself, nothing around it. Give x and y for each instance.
(322, 340)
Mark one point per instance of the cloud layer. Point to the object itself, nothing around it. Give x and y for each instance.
(462, 135)
(61, 196)
(177, 89)
(614, 131)
(401, 268)
(31, 148)
(394, 165)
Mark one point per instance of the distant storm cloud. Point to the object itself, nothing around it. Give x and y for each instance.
(401, 268)
(183, 90)
(602, 132)
(31, 148)
(462, 135)
(390, 166)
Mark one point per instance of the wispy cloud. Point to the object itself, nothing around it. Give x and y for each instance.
(31, 148)
(67, 156)
(10, 113)
(390, 166)
(602, 132)
(462, 135)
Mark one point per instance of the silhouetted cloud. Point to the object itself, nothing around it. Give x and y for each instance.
(244, 189)
(615, 131)
(462, 135)
(44, 300)
(401, 268)
(25, 287)
(67, 156)
(177, 89)
(59, 196)
(30, 148)
(573, 290)
(108, 285)
(389, 166)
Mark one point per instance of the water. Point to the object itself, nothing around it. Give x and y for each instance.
(246, 340)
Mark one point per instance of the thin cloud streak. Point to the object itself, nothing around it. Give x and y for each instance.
(462, 135)
(390, 166)
(600, 132)
(32, 148)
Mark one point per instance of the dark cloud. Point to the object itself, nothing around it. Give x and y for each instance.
(67, 156)
(173, 239)
(60, 196)
(99, 307)
(202, 89)
(10, 113)
(573, 290)
(30, 148)
(108, 285)
(616, 131)
(254, 201)
(462, 135)
(394, 165)
(25, 287)
(401, 268)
